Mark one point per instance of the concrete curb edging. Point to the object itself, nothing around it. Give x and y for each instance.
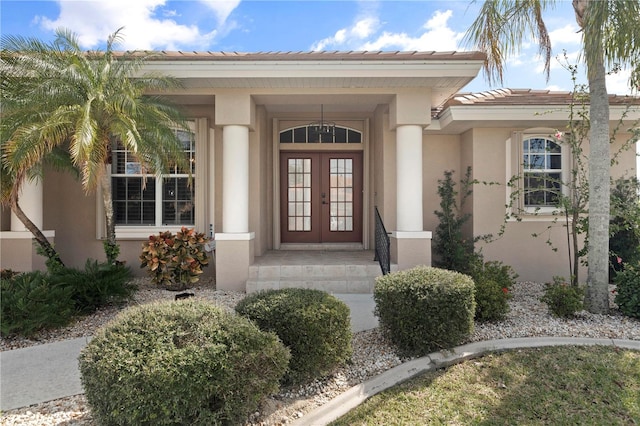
(356, 395)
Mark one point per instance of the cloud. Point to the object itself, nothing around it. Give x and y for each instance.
(361, 29)
(222, 8)
(438, 36)
(435, 34)
(618, 83)
(147, 25)
(566, 35)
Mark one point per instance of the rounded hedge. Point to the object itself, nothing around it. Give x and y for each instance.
(185, 362)
(425, 309)
(313, 324)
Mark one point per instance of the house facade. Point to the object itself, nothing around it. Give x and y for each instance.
(294, 150)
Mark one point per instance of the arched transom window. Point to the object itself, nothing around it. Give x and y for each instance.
(306, 134)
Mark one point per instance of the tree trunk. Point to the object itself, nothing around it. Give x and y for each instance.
(42, 241)
(597, 296)
(107, 200)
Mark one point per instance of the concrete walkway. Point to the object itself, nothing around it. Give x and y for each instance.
(50, 371)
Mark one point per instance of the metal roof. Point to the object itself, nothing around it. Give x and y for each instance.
(312, 56)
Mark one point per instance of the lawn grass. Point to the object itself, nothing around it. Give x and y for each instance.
(568, 385)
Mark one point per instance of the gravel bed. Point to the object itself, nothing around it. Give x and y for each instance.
(528, 317)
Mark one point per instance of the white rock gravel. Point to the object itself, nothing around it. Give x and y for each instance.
(528, 317)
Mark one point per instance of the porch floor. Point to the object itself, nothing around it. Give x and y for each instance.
(316, 257)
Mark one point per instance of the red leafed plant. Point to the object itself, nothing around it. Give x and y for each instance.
(175, 261)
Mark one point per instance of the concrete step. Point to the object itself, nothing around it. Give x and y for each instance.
(348, 279)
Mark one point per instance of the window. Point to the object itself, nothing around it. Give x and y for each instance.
(542, 172)
(142, 199)
(306, 134)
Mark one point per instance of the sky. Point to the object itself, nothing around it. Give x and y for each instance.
(263, 26)
(301, 25)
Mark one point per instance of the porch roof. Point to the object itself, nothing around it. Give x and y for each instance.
(358, 79)
(519, 108)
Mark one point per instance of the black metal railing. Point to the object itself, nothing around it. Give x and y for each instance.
(383, 244)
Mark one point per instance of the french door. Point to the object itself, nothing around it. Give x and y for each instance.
(321, 197)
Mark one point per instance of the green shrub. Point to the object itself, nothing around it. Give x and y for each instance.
(425, 309)
(314, 325)
(30, 302)
(563, 299)
(175, 261)
(492, 301)
(624, 225)
(628, 291)
(97, 285)
(494, 281)
(453, 250)
(187, 362)
(503, 275)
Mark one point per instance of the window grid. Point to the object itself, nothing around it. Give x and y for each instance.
(299, 194)
(304, 134)
(542, 166)
(140, 199)
(341, 194)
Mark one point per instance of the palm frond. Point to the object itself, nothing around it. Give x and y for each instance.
(616, 25)
(501, 28)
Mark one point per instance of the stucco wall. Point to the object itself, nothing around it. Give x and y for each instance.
(531, 257)
(260, 183)
(440, 153)
(387, 139)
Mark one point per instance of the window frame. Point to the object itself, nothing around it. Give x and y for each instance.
(202, 151)
(515, 168)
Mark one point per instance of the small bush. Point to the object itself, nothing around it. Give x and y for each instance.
(494, 281)
(425, 309)
(30, 302)
(563, 299)
(314, 325)
(503, 275)
(492, 301)
(175, 261)
(97, 285)
(628, 291)
(186, 362)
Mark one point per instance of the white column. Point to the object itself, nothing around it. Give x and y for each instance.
(235, 179)
(30, 202)
(409, 178)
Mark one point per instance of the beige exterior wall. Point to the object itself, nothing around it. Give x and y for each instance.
(19, 253)
(260, 183)
(531, 257)
(387, 140)
(440, 153)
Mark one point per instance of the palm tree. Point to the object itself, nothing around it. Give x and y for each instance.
(610, 36)
(11, 187)
(63, 96)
